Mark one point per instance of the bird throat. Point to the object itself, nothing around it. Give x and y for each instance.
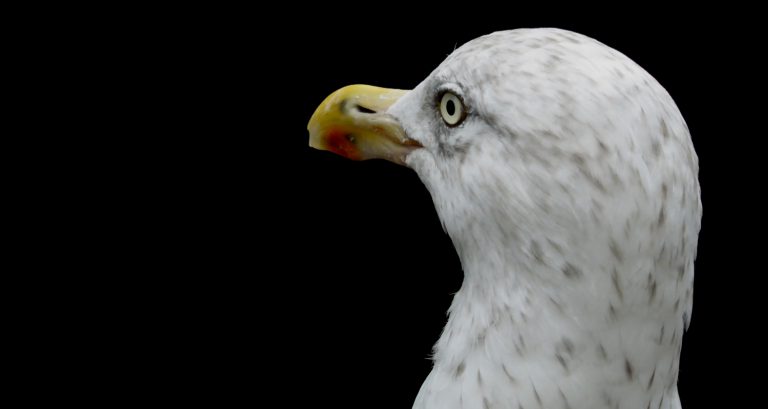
(516, 333)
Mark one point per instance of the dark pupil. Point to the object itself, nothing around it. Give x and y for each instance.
(450, 107)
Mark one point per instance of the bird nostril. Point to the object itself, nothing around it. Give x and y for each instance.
(364, 110)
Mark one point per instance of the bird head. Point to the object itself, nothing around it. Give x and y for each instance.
(523, 136)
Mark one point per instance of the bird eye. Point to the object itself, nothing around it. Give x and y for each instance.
(451, 109)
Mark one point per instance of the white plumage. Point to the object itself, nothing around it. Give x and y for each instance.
(570, 193)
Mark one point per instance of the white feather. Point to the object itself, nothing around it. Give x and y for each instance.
(576, 281)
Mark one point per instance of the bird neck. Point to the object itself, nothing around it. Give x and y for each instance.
(513, 330)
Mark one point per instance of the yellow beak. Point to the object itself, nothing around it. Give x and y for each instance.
(353, 122)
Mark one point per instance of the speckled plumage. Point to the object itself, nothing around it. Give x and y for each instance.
(570, 192)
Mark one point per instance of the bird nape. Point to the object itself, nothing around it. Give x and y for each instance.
(566, 178)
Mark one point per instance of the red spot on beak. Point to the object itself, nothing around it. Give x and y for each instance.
(342, 143)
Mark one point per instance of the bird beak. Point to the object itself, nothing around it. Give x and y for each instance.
(353, 122)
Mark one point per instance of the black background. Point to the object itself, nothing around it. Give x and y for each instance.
(257, 267)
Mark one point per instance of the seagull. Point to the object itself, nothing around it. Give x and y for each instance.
(565, 176)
